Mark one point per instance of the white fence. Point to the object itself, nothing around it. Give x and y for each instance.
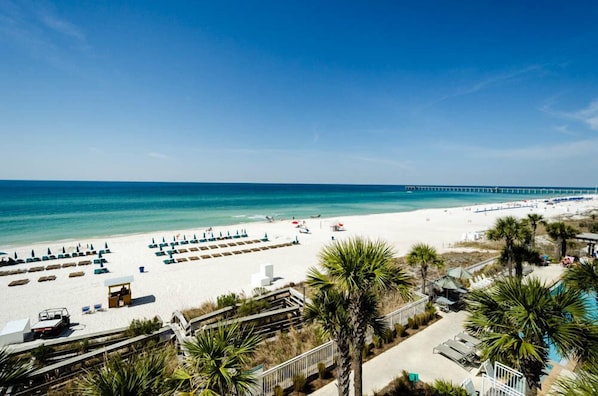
(307, 363)
(504, 381)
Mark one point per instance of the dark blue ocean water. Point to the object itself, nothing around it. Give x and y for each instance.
(40, 211)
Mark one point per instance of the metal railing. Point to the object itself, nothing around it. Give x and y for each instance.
(307, 363)
(504, 381)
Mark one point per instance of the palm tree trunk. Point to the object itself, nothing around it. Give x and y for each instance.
(343, 381)
(424, 274)
(358, 345)
(564, 246)
(510, 258)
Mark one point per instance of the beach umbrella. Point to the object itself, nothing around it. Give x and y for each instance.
(170, 254)
(77, 248)
(105, 245)
(184, 237)
(174, 238)
(153, 241)
(237, 232)
(160, 247)
(266, 236)
(91, 246)
(100, 254)
(49, 252)
(16, 255)
(204, 235)
(194, 236)
(163, 240)
(220, 234)
(212, 236)
(32, 253)
(63, 250)
(459, 273)
(448, 283)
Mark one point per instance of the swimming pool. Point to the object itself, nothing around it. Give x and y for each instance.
(592, 304)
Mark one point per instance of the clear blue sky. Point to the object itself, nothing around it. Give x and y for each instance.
(375, 92)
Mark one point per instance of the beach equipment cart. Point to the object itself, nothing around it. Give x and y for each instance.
(119, 291)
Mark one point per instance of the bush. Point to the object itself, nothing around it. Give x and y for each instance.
(447, 388)
(42, 353)
(377, 341)
(401, 330)
(388, 335)
(431, 308)
(227, 300)
(412, 323)
(299, 382)
(278, 391)
(322, 371)
(143, 326)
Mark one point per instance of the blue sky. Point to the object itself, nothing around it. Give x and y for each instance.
(376, 92)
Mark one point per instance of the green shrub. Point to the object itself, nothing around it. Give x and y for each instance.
(227, 300)
(412, 323)
(377, 341)
(431, 308)
(143, 326)
(299, 382)
(322, 371)
(447, 388)
(401, 330)
(389, 335)
(367, 350)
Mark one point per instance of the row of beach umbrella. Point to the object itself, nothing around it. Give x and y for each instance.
(64, 250)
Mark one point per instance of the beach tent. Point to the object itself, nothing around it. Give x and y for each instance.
(459, 273)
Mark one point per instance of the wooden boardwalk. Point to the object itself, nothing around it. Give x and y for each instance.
(505, 190)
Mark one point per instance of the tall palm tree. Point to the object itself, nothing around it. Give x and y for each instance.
(583, 277)
(533, 219)
(510, 230)
(582, 383)
(561, 232)
(217, 360)
(358, 269)
(331, 310)
(517, 321)
(424, 256)
(12, 370)
(140, 375)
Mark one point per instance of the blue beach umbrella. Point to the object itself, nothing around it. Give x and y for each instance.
(237, 232)
(160, 247)
(100, 254)
(194, 237)
(63, 250)
(32, 253)
(184, 237)
(174, 238)
(204, 235)
(16, 255)
(105, 245)
(212, 235)
(220, 234)
(163, 240)
(49, 252)
(153, 242)
(170, 254)
(227, 233)
(77, 249)
(91, 246)
(266, 236)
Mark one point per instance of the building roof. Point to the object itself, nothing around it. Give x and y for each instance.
(587, 236)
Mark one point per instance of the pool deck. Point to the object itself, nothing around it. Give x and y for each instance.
(415, 354)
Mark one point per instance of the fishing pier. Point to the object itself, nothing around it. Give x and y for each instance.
(505, 190)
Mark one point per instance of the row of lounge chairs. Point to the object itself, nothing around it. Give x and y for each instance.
(196, 240)
(208, 247)
(462, 349)
(47, 278)
(89, 309)
(225, 253)
(46, 268)
(62, 256)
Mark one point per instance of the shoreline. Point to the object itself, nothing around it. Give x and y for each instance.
(162, 289)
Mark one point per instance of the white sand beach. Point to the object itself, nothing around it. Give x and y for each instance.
(162, 288)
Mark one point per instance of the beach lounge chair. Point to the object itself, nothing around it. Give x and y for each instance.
(468, 338)
(467, 351)
(467, 384)
(98, 307)
(85, 310)
(450, 353)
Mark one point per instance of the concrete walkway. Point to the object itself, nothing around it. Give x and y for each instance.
(415, 355)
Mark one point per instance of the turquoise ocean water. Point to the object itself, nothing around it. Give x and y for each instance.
(40, 211)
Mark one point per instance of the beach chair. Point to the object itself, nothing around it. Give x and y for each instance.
(468, 351)
(450, 353)
(86, 310)
(463, 336)
(488, 368)
(98, 307)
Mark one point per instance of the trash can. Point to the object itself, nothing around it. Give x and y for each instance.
(141, 269)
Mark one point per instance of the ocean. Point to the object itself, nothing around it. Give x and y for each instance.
(43, 211)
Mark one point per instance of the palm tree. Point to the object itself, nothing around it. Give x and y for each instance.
(583, 277)
(517, 321)
(331, 310)
(358, 269)
(522, 253)
(510, 229)
(560, 232)
(12, 370)
(217, 361)
(424, 256)
(140, 375)
(533, 219)
(582, 383)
